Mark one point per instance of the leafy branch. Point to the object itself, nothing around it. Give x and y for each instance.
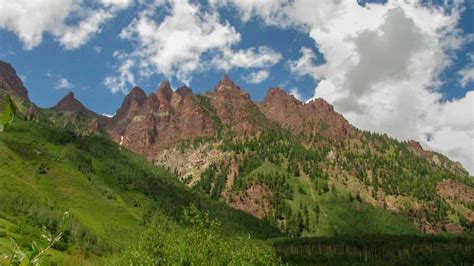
(34, 257)
(8, 114)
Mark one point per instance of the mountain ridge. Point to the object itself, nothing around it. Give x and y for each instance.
(277, 158)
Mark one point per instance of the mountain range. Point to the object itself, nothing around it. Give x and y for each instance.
(300, 166)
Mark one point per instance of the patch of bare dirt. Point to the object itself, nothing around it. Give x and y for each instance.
(256, 200)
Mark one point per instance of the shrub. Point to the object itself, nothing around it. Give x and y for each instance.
(197, 242)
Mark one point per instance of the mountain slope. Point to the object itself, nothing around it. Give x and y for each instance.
(218, 144)
(110, 193)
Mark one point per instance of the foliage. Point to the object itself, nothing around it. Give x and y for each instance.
(8, 114)
(111, 194)
(34, 257)
(197, 242)
(377, 250)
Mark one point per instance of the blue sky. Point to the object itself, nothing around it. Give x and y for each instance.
(86, 68)
(406, 69)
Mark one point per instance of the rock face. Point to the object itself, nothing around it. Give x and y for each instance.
(235, 108)
(153, 123)
(150, 124)
(10, 83)
(131, 105)
(316, 116)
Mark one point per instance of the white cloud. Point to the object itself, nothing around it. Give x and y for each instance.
(188, 40)
(382, 67)
(124, 78)
(175, 46)
(257, 77)
(97, 48)
(30, 20)
(74, 37)
(296, 93)
(118, 4)
(63, 83)
(247, 9)
(467, 73)
(60, 82)
(263, 57)
(305, 64)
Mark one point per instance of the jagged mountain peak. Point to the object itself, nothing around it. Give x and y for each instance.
(70, 103)
(137, 91)
(165, 90)
(131, 104)
(184, 91)
(321, 105)
(226, 81)
(10, 82)
(277, 94)
(227, 85)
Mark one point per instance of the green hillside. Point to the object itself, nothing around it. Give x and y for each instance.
(112, 195)
(326, 187)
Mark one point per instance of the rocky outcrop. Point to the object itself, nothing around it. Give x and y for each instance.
(10, 83)
(131, 106)
(316, 116)
(235, 108)
(69, 103)
(151, 124)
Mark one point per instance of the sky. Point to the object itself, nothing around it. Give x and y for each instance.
(405, 68)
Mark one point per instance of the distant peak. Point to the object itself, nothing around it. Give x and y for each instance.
(69, 99)
(70, 96)
(321, 104)
(278, 92)
(279, 95)
(164, 85)
(227, 81)
(10, 82)
(184, 91)
(226, 84)
(165, 90)
(70, 103)
(137, 90)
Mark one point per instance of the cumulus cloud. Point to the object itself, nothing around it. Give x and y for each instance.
(189, 39)
(382, 64)
(262, 57)
(257, 77)
(124, 78)
(30, 20)
(60, 82)
(268, 10)
(467, 73)
(305, 65)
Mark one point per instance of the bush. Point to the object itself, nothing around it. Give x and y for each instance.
(197, 242)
